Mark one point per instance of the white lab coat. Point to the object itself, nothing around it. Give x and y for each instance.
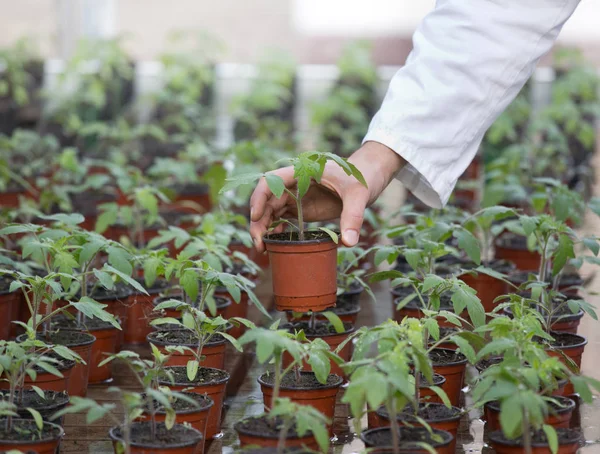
(469, 61)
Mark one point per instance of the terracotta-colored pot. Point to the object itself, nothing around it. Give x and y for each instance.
(106, 343)
(9, 307)
(523, 258)
(190, 446)
(449, 424)
(195, 417)
(214, 390)
(214, 352)
(453, 372)
(322, 398)
(333, 340)
(248, 438)
(304, 273)
(45, 446)
(443, 447)
(488, 288)
(140, 309)
(561, 417)
(567, 323)
(574, 352)
(10, 198)
(117, 304)
(47, 381)
(502, 446)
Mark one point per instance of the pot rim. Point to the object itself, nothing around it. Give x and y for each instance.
(198, 438)
(164, 343)
(339, 382)
(23, 337)
(448, 436)
(457, 416)
(192, 384)
(60, 435)
(327, 239)
(455, 363)
(189, 411)
(348, 331)
(570, 405)
(238, 429)
(63, 394)
(497, 437)
(582, 343)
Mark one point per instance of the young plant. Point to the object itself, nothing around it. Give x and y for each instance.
(308, 166)
(349, 273)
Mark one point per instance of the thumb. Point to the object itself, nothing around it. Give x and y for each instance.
(353, 210)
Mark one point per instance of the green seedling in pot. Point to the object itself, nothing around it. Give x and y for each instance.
(308, 166)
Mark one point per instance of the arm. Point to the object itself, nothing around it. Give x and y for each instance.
(470, 60)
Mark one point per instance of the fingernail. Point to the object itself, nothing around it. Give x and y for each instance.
(350, 237)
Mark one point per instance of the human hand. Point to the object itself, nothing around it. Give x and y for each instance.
(337, 196)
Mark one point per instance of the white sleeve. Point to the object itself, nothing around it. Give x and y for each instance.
(469, 61)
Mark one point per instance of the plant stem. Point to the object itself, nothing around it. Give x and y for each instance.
(300, 216)
(287, 424)
(391, 408)
(526, 432)
(277, 383)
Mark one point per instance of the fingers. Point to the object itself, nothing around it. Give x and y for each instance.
(262, 194)
(259, 227)
(354, 202)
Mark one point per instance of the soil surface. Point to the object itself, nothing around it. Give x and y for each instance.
(67, 338)
(430, 412)
(120, 292)
(408, 436)
(513, 241)
(32, 399)
(178, 434)
(89, 324)
(486, 363)
(264, 427)
(26, 430)
(182, 337)
(566, 339)
(293, 236)
(320, 329)
(565, 436)
(204, 376)
(441, 357)
(566, 280)
(307, 380)
(565, 404)
(437, 380)
(180, 405)
(159, 285)
(5, 282)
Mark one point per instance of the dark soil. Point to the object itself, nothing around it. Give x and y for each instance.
(565, 436)
(67, 338)
(414, 304)
(501, 266)
(321, 328)
(486, 363)
(5, 282)
(442, 357)
(437, 381)
(159, 286)
(566, 404)
(89, 324)
(351, 295)
(310, 235)
(61, 365)
(512, 241)
(177, 435)
(566, 340)
(182, 406)
(308, 380)
(206, 375)
(566, 280)
(30, 398)
(184, 338)
(430, 412)
(408, 437)
(262, 426)
(26, 430)
(345, 306)
(120, 292)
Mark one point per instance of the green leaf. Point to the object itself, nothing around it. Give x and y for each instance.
(431, 281)
(320, 365)
(136, 285)
(552, 437)
(511, 415)
(37, 417)
(192, 369)
(190, 282)
(69, 219)
(275, 184)
(104, 278)
(170, 418)
(337, 323)
(592, 245)
(564, 252)
(88, 251)
(442, 395)
(147, 200)
(529, 224)
(334, 236)
(581, 388)
(94, 309)
(463, 298)
(468, 243)
(120, 259)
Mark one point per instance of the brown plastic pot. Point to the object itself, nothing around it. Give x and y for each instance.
(107, 340)
(140, 309)
(502, 446)
(449, 424)
(442, 447)
(517, 253)
(488, 288)
(215, 390)
(321, 398)
(248, 438)
(195, 417)
(44, 446)
(304, 273)
(214, 352)
(454, 373)
(190, 446)
(561, 417)
(47, 381)
(574, 352)
(333, 340)
(9, 307)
